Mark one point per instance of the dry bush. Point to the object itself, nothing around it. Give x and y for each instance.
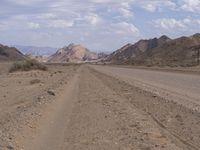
(27, 65)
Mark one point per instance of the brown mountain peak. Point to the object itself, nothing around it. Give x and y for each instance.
(73, 53)
(164, 37)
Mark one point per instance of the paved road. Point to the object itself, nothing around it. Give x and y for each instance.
(182, 85)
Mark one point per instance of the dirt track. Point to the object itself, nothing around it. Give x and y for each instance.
(97, 111)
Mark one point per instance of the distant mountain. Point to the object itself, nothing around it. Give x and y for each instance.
(177, 52)
(36, 51)
(131, 51)
(73, 53)
(162, 51)
(102, 55)
(10, 54)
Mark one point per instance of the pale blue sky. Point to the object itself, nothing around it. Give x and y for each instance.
(100, 25)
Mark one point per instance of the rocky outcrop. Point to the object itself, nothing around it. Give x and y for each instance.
(73, 53)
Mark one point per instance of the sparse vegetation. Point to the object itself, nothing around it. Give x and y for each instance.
(27, 65)
(2, 51)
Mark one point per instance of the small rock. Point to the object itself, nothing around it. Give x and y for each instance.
(156, 145)
(162, 146)
(154, 96)
(179, 118)
(40, 98)
(10, 146)
(51, 92)
(10, 138)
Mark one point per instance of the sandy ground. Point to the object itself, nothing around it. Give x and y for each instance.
(91, 110)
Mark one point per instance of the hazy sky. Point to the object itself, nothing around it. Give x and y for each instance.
(100, 25)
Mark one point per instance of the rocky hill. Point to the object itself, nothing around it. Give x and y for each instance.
(162, 51)
(73, 53)
(178, 52)
(132, 51)
(10, 54)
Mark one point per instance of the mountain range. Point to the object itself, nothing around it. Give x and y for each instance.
(36, 50)
(162, 51)
(159, 51)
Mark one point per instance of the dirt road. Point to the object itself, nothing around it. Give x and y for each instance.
(97, 111)
(55, 120)
(183, 86)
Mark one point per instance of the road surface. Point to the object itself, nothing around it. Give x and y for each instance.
(186, 87)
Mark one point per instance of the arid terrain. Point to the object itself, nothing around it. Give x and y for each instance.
(99, 75)
(88, 107)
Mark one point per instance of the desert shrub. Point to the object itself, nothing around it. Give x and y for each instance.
(27, 65)
(2, 51)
